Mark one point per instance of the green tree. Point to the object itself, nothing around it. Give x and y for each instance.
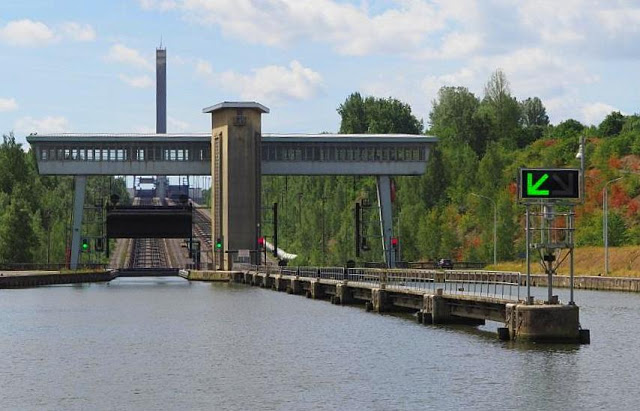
(534, 119)
(430, 234)
(18, 240)
(612, 124)
(433, 183)
(568, 129)
(534, 113)
(502, 110)
(453, 119)
(14, 169)
(353, 115)
(377, 115)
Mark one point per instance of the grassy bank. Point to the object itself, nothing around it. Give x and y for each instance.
(623, 262)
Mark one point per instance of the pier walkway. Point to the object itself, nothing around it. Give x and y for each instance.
(436, 296)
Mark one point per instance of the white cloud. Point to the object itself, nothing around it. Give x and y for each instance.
(162, 5)
(536, 72)
(177, 125)
(424, 28)
(48, 124)
(465, 77)
(8, 104)
(457, 45)
(143, 81)
(26, 33)
(349, 29)
(29, 33)
(204, 68)
(120, 53)
(594, 113)
(267, 83)
(77, 31)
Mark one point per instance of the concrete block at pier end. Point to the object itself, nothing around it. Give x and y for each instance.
(546, 323)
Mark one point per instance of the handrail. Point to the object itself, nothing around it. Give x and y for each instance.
(493, 284)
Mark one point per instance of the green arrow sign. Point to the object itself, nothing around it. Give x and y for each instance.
(549, 184)
(533, 189)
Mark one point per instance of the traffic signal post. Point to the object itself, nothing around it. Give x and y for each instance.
(549, 231)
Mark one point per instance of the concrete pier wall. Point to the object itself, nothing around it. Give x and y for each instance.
(34, 279)
(548, 323)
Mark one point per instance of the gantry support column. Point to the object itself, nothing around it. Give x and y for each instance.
(80, 185)
(235, 178)
(386, 219)
(161, 188)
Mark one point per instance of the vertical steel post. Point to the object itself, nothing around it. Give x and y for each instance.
(605, 230)
(495, 234)
(357, 228)
(275, 229)
(527, 229)
(583, 155)
(323, 233)
(571, 215)
(80, 185)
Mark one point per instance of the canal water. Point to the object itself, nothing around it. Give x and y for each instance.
(165, 343)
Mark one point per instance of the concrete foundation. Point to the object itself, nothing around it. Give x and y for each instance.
(315, 289)
(379, 300)
(544, 323)
(296, 286)
(279, 283)
(344, 294)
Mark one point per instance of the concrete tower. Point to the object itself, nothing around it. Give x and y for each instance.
(161, 90)
(161, 109)
(235, 171)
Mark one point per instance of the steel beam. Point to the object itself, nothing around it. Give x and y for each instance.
(386, 219)
(80, 185)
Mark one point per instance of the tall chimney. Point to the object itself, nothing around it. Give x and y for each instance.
(161, 90)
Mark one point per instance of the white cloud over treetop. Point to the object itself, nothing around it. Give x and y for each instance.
(594, 113)
(29, 33)
(269, 83)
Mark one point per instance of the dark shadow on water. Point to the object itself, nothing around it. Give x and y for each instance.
(149, 282)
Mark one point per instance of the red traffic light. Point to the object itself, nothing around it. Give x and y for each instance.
(394, 242)
(261, 241)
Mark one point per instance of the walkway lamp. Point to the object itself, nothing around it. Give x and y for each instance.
(495, 226)
(581, 155)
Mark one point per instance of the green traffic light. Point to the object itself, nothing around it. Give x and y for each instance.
(218, 244)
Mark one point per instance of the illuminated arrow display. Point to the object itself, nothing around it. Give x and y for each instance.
(533, 189)
(537, 183)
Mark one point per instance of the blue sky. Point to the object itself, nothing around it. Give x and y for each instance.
(88, 66)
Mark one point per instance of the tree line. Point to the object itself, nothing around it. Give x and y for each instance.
(483, 140)
(35, 210)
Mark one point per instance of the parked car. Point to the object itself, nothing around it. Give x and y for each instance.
(445, 264)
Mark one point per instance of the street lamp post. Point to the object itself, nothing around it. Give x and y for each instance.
(495, 226)
(605, 222)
